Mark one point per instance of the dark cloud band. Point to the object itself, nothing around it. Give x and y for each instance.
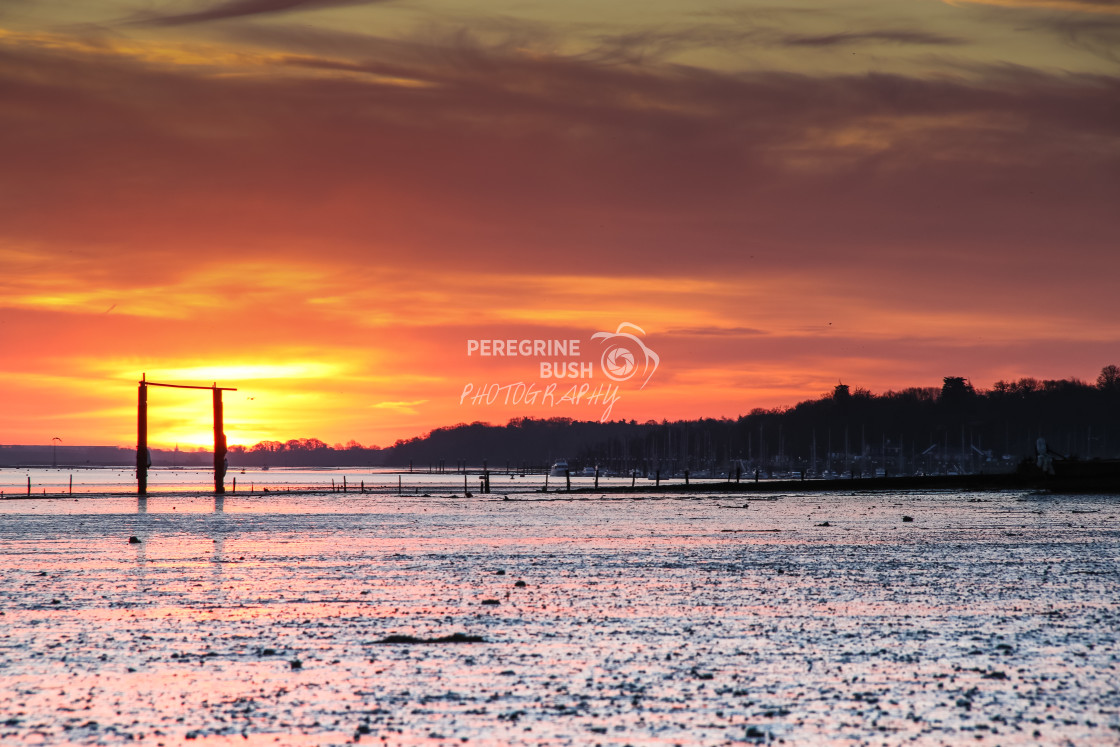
(243, 9)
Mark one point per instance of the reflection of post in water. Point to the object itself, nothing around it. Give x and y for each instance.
(218, 559)
(140, 530)
(219, 556)
(219, 543)
(141, 554)
(218, 531)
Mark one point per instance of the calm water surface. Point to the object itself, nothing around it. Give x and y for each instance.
(257, 619)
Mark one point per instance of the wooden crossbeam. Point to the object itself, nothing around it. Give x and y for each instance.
(189, 386)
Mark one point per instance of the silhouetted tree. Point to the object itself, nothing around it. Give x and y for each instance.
(957, 390)
(1109, 378)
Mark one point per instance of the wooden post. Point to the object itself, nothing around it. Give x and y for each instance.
(142, 438)
(219, 444)
(596, 476)
(71, 485)
(568, 480)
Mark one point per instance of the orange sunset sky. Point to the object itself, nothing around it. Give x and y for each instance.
(320, 201)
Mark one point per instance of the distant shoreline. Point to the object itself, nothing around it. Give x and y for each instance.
(1099, 484)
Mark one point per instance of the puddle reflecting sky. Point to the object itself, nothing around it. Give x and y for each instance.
(989, 618)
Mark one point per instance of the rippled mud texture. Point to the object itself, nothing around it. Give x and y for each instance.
(987, 619)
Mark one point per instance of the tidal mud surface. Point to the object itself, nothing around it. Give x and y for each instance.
(988, 619)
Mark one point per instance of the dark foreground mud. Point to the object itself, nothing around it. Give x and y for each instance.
(988, 619)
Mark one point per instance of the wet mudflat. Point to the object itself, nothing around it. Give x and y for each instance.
(986, 619)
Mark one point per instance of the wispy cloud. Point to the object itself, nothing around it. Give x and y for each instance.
(406, 407)
(242, 9)
(1096, 35)
(1078, 6)
(716, 332)
(890, 36)
(649, 45)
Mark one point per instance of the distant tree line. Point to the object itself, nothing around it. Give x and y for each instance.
(304, 452)
(954, 428)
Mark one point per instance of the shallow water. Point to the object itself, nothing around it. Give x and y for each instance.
(989, 618)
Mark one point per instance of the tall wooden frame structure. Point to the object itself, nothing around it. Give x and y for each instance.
(142, 433)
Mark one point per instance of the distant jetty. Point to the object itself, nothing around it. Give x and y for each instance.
(1096, 476)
